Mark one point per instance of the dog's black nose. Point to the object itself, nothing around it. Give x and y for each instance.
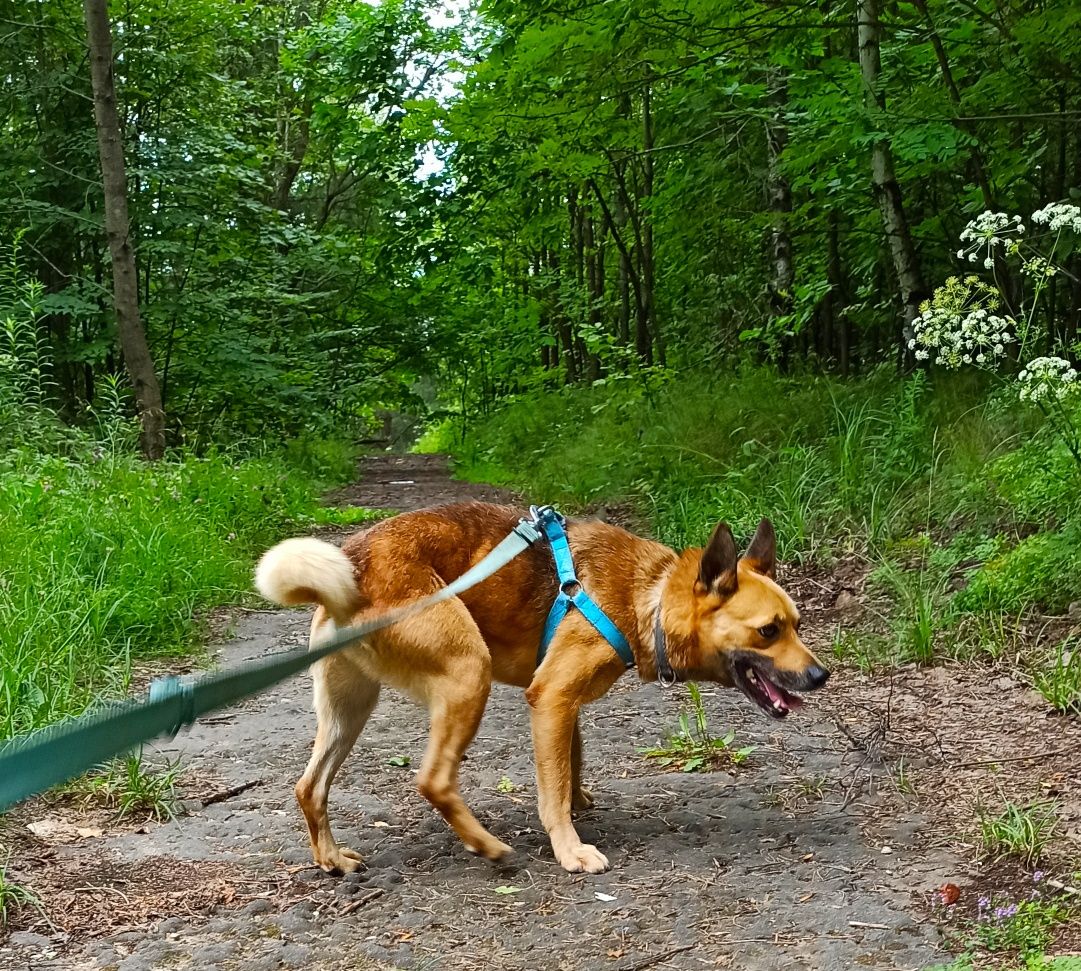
(818, 676)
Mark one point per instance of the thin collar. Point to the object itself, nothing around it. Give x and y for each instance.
(666, 675)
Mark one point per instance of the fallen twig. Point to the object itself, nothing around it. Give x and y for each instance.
(1064, 887)
(874, 927)
(357, 904)
(1015, 758)
(657, 958)
(229, 793)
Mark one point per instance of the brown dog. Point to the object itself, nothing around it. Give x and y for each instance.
(714, 616)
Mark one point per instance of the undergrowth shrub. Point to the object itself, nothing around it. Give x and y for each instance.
(826, 459)
(1042, 570)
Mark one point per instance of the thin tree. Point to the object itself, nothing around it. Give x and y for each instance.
(129, 326)
(887, 189)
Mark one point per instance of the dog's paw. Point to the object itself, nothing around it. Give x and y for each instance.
(340, 861)
(582, 799)
(583, 858)
(493, 849)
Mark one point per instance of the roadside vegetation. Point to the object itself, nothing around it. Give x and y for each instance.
(108, 561)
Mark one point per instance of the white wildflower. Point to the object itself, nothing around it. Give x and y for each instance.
(955, 329)
(1058, 216)
(1047, 378)
(986, 233)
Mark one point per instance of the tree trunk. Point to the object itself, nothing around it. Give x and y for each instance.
(595, 290)
(562, 324)
(780, 198)
(887, 191)
(646, 256)
(642, 342)
(133, 343)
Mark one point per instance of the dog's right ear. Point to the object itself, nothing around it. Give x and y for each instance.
(717, 572)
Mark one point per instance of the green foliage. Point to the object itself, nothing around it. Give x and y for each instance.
(694, 747)
(132, 788)
(277, 224)
(13, 897)
(1021, 831)
(107, 560)
(1043, 569)
(1060, 681)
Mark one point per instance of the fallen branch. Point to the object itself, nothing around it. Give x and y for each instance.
(229, 793)
(874, 927)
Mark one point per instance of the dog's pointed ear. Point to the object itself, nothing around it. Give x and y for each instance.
(717, 572)
(761, 555)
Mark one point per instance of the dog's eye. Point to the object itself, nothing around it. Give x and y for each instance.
(769, 631)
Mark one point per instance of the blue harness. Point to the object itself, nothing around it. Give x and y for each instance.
(571, 592)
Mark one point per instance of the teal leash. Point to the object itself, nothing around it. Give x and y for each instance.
(53, 755)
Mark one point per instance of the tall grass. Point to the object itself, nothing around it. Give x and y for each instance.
(829, 461)
(107, 560)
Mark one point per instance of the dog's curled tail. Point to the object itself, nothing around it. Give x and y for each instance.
(309, 571)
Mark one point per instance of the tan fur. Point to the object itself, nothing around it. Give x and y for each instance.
(712, 608)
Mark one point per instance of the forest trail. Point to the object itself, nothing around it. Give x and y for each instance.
(789, 861)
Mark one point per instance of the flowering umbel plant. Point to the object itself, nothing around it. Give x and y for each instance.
(1048, 378)
(961, 325)
(965, 322)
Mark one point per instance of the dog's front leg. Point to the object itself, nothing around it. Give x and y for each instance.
(559, 689)
(552, 722)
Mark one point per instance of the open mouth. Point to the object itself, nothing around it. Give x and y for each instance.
(767, 694)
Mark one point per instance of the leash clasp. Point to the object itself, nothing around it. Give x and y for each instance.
(533, 528)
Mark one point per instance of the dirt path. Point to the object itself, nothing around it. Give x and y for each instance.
(787, 863)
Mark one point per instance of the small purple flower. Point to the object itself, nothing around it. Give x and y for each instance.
(1001, 913)
(983, 903)
(1037, 876)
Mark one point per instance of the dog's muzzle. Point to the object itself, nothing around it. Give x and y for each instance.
(772, 690)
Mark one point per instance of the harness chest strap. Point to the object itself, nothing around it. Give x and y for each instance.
(571, 593)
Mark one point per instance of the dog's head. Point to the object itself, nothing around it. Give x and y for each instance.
(740, 628)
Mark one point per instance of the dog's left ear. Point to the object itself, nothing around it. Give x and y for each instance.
(761, 555)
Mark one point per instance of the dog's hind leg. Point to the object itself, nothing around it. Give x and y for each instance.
(344, 699)
(581, 798)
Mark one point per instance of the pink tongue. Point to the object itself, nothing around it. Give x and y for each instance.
(776, 694)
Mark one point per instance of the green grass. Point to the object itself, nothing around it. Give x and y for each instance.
(1020, 831)
(13, 897)
(132, 787)
(1060, 681)
(107, 561)
(694, 747)
(872, 460)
